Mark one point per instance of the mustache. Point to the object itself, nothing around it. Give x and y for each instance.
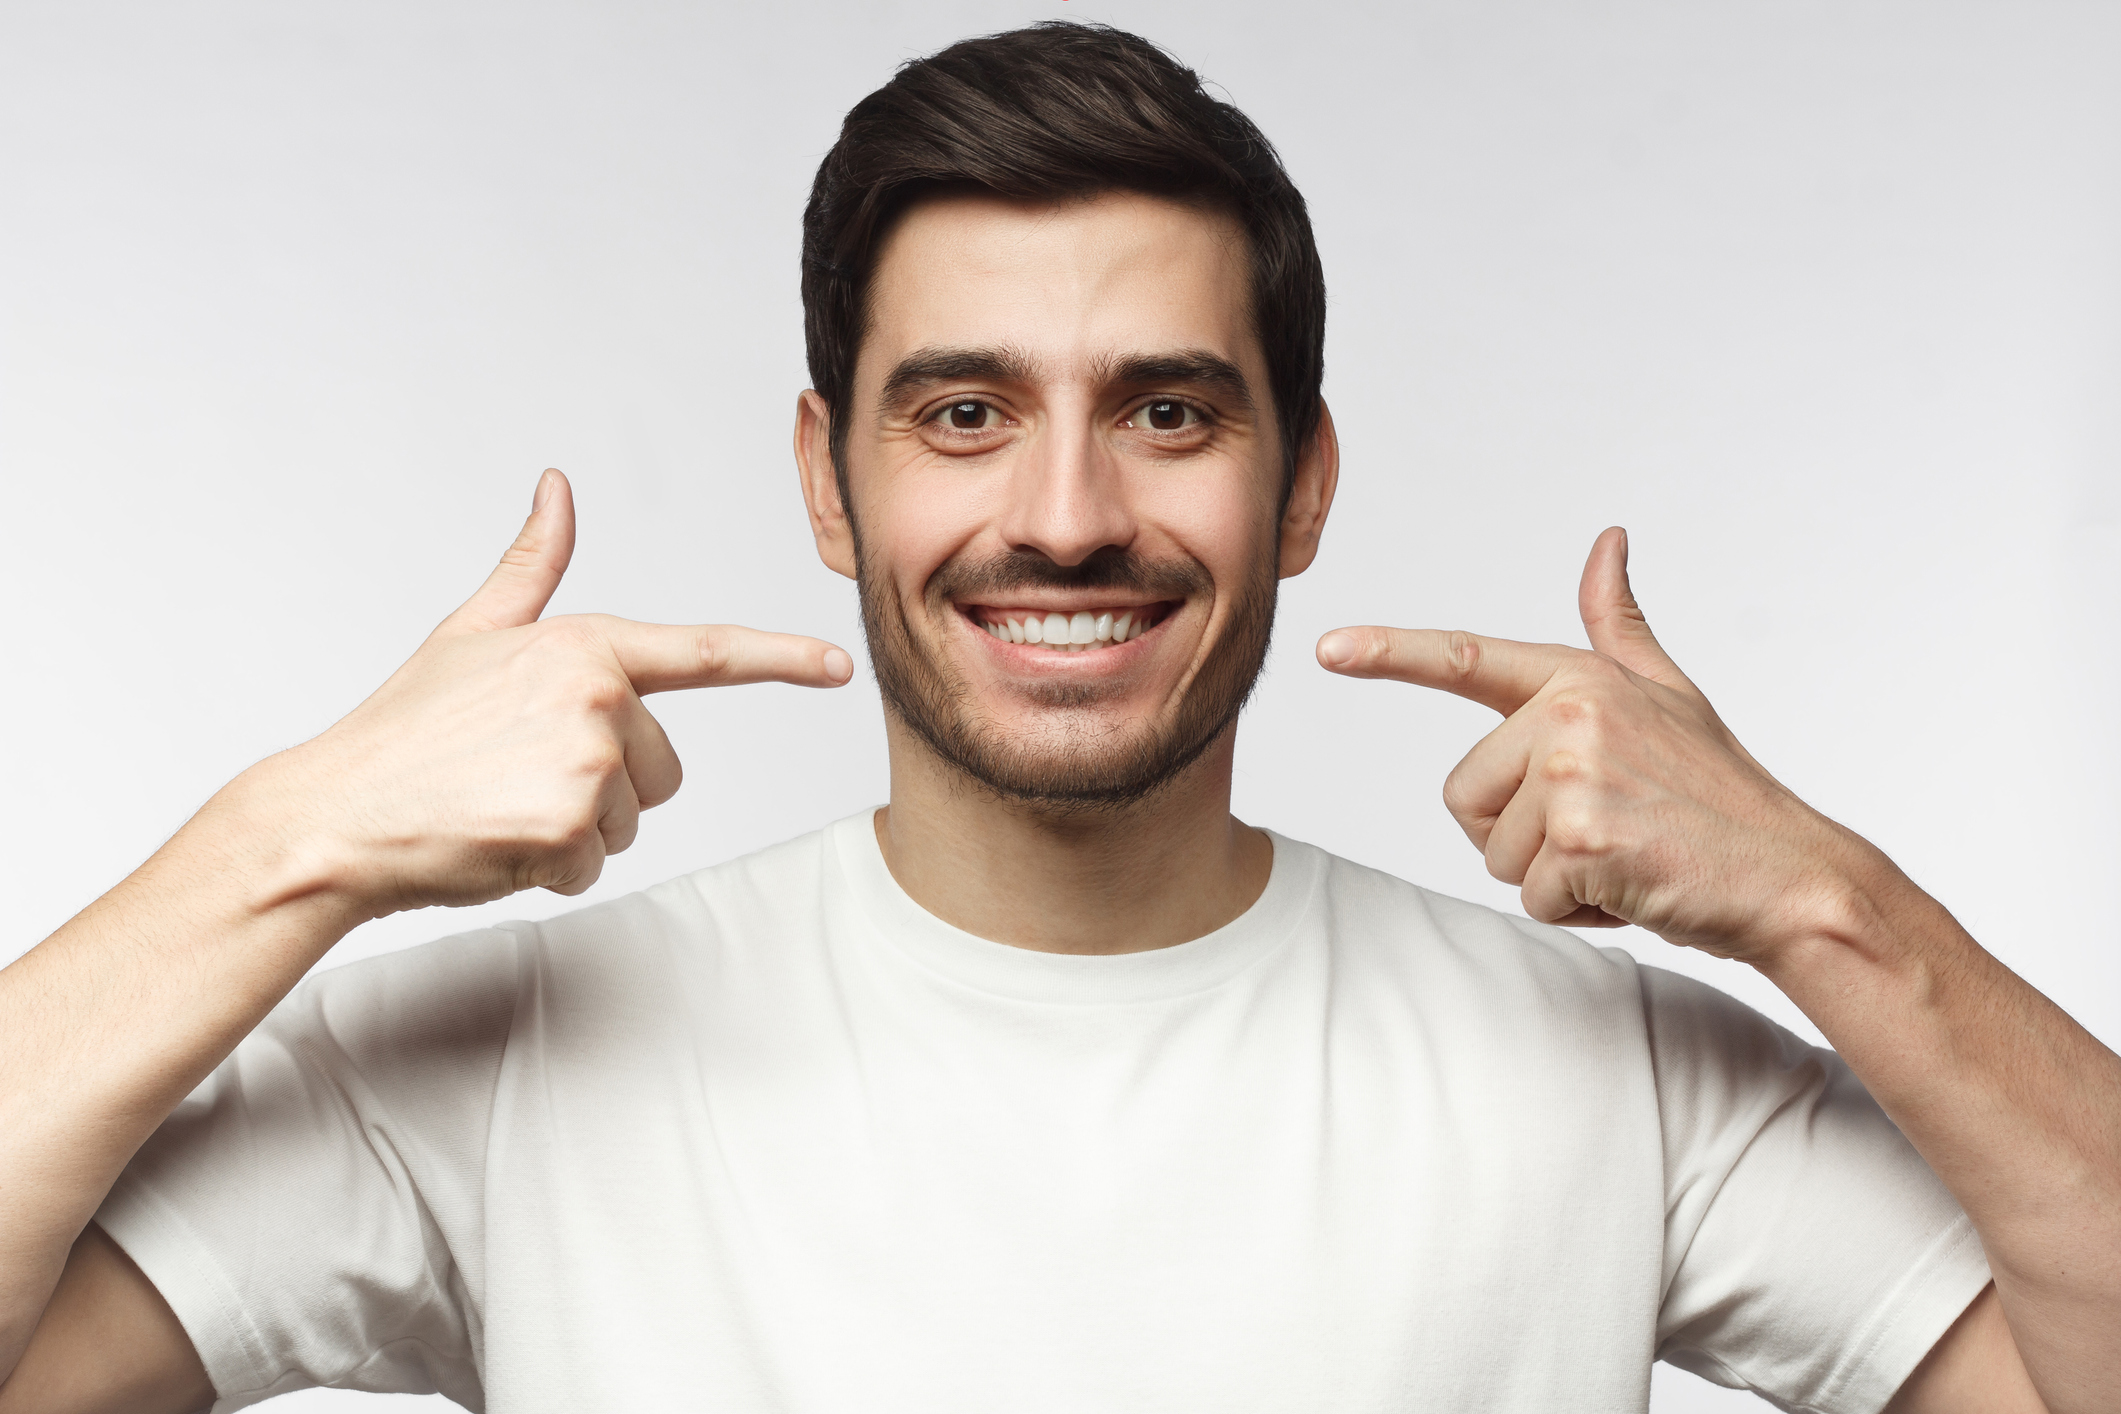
(1110, 568)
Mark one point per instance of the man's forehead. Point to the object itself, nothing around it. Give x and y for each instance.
(1077, 287)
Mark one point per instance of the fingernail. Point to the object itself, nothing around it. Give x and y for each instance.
(1337, 650)
(838, 666)
(537, 497)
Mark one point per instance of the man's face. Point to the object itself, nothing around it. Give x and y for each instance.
(1064, 476)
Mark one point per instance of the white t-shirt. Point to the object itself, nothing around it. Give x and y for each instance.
(770, 1137)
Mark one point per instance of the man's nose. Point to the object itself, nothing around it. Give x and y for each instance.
(1067, 497)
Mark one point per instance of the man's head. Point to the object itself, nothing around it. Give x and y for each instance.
(1065, 322)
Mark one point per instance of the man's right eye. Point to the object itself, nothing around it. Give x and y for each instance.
(968, 416)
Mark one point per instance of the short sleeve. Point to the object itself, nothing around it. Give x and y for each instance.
(1810, 1253)
(312, 1212)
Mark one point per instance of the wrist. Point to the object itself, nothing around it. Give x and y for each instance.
(1859, 917)
(266, 830)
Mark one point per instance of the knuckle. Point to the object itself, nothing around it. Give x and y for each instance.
(1578, 832)
(1576, 707)
(1461, 798)
(713, 651)
(583, 675)
(603, 693)
(569, 632)
(1564, 767)
(1461, 653)
(599, 759)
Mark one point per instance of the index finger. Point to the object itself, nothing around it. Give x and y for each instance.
(667, 657)
(1496, 672)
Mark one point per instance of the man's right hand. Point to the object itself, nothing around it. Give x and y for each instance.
(509, 752)
(506, 753)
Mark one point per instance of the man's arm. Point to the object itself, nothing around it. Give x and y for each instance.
(112, 1020)
(1612, 793)
(108, 1344)
(2016, 1107)
(507, 753)
(1973, 1369)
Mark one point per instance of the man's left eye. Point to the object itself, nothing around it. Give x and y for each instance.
(1165, 415)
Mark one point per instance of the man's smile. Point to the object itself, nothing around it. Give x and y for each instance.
(1079, 625)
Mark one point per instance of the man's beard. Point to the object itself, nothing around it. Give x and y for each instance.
(1090, 766)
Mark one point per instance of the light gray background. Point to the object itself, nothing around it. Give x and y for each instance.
(1818, 299)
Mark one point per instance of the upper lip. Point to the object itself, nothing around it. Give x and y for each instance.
(1058, 604)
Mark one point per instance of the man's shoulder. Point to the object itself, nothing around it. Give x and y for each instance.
(1494, 962)
(776, 888)
(1372, 909)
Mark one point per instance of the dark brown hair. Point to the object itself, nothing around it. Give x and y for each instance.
(1054, 111)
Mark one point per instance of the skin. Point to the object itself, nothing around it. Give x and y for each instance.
(1610, 792)
(1065, 471)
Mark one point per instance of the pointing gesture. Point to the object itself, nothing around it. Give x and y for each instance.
(511, 751)
(1612, 793)
(654, 657)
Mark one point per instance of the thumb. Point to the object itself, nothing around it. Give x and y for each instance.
(1613, 619)
(522, 584)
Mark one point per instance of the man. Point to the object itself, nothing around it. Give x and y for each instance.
(1049, 1085)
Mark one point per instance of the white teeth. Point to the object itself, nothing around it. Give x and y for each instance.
(1072, 633)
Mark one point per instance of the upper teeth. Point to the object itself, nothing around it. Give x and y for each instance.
(1070, 632)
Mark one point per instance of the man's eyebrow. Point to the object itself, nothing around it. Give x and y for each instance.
(1196, 366)
(923, 368)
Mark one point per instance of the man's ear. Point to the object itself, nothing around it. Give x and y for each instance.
(821, 483)
(1310, 496)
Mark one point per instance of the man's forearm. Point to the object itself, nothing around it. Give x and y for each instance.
(112, 1020)
(2016, 1107)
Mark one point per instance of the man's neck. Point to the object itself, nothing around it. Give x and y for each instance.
(1160, 871)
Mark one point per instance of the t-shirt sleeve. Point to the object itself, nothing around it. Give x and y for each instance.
(312, 1212)
(1810, 1253)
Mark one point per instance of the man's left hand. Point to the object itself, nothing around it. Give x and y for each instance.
(1612, 792)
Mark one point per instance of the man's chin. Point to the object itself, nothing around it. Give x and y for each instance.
(1073, 766)
(1076, 781)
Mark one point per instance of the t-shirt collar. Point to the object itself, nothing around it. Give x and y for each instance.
(1069, 978)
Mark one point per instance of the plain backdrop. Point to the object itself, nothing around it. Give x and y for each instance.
(1820, 300)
